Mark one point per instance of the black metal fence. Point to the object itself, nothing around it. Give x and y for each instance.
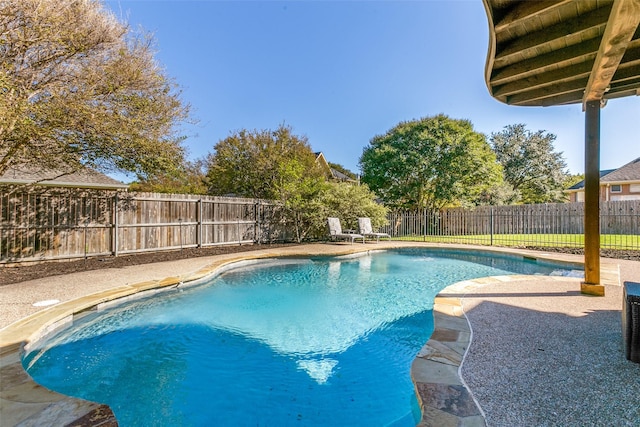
(560, 224)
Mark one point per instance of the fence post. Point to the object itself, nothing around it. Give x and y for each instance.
(258, 229)
(491, 225)
(114, 238)
(199, 225)
(424, 234)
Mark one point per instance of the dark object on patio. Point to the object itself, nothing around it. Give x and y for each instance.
(631, 320)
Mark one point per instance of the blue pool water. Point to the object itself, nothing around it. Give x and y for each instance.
(316, 342)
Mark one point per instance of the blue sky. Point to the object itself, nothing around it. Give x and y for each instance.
(341, 72)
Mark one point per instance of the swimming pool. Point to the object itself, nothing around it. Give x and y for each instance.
(308, 342)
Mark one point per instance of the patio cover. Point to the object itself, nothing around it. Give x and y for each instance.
(544, 53)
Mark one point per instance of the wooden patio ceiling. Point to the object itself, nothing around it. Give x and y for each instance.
(556, 52)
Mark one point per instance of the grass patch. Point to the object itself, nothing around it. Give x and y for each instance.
(612, 241)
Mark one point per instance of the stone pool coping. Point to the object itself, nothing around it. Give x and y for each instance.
(443, 396)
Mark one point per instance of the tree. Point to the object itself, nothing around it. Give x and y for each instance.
(281, 167)
(188, 178)
(261, 164)
(336, 199)
(274, 165)
(501, 193)
(571, 180)
(80, 89)
(298, 189)
(430, 163)
(530, 164)
(350, 202)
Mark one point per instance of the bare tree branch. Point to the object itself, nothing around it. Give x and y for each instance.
(78, 88)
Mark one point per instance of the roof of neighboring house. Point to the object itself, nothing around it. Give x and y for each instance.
(580, 184)
(628, 172)
(86, 178)
(323, 162)
(333, 173)
(340, 176)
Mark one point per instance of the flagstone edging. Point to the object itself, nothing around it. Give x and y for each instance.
(444, 398)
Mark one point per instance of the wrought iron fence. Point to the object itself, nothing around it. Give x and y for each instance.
(543, 225)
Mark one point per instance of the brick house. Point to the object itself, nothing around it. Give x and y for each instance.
(615, 184)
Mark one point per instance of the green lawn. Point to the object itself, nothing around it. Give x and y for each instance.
(612, 241)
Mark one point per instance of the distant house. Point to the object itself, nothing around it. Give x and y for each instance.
(332, 174)
(86, 178)
(615, 184)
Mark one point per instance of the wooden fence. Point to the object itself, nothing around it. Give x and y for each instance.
(63, 223)
(543, 222)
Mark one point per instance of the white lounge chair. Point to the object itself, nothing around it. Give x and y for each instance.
(364, 226)
(335, 231)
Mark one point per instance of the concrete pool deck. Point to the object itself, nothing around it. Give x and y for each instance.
(492, 368)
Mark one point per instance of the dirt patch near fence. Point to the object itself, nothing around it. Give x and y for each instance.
(31, 271)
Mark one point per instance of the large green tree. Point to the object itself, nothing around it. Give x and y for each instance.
(275, 165)
(530, 164)
(281, 167)
(431, 162)
(78, 88)
(262, 164)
